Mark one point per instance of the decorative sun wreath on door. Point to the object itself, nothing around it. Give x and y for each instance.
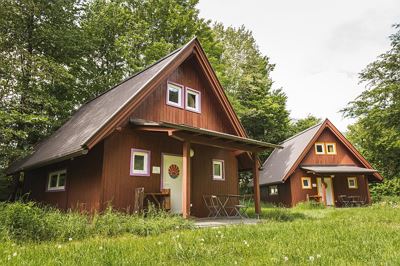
(173, 171)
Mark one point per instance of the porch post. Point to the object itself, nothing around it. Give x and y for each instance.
(256, 185)
(186, 180)
(367, 187)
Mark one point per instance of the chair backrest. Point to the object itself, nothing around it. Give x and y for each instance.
(167, 198)
(139, 198)
(210, 201)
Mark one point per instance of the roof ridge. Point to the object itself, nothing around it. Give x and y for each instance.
(302, 132)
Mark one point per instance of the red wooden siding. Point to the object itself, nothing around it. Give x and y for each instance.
(284, 196)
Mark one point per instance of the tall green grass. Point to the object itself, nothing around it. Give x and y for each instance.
(30, 222)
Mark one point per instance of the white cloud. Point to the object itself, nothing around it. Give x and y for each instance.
(319, 47)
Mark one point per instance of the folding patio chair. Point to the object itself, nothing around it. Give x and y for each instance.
(211, 202)
(240, 209)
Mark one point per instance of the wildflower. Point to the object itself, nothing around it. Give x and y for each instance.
(159, 242)
(285, 258)
(101, 248)
(58, 246)
(318, 256)
(70, 239)
(311, 258)
(202, 239)
(14, 254)
(13, 245)
(235, 262)
(177, 227)
(9, 257)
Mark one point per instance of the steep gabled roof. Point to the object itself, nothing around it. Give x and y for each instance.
(97, 118)
(282, 162)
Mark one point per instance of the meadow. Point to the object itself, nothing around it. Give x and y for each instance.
(302, 235)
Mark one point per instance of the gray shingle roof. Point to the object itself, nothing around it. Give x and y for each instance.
(279, 163)
(332, 169)
(70, 139)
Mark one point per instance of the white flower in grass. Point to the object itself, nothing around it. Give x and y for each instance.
(202, 239)
(100, 248)
(13, 245)
(311, 258)
(70, 239)
(9, 257)
(318, 256)
(285, 258)
(177, 227)
(159, 243)
(15, 254)
(59, 246)
(235, 262)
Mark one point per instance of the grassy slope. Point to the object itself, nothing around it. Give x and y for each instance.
(330, 236)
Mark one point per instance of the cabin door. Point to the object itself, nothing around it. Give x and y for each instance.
(172, 179)
(329, 199)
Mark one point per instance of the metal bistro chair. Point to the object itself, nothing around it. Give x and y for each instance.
(139, 198)
(343, 200)
(240, 209)
(211, 202)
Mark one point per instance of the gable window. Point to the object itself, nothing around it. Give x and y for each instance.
(352, 182)
(140, 162)
(273, 190)
(319, 148)
(192, 100)
(174, 94)
(218, 170)
(57, 180)
(330, 148)
(306, 182)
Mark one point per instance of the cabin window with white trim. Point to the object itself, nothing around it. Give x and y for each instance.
(140, 162)
(273, 190)
(174, 94)
(352, 182)
(57, 180)
(306, 183)
(193, 100)
(319, 148)
(218, 170)
(330, 148)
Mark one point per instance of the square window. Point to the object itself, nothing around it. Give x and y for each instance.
(140, 162)
(56, 181)
(306, 182)
(273, 190)
(319, 148)
(192, 100)
(218, 170)
(352, 182)
(174, 94)
(330, 148)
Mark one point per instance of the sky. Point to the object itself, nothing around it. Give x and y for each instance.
(319, 46)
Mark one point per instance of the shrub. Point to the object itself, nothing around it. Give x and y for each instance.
(30, 221)
(386, 188)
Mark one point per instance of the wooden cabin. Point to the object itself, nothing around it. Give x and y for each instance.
(169, 126)
(317, 164)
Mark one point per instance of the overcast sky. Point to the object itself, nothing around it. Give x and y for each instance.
(319, 47)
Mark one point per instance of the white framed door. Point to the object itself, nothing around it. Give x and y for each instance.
(172, 179)
(329, 198)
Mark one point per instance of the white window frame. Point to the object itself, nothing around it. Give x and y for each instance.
(222, 165)
(334, 148)
(181, 88)
(197, 97)
(146, 170)
(275, 191)
(355, 182)
(309, 182)
(319, 144)
(57, 187)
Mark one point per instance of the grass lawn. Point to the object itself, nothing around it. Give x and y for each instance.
(355, 236)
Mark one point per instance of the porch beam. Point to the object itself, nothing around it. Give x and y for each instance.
(256, 185)
(186, 180)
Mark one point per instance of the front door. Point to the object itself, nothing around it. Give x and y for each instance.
(172, 179)
(329, 199)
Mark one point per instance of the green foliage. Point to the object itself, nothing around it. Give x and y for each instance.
(300, 125)
(387, 188)
(377, 131)
(25, 222)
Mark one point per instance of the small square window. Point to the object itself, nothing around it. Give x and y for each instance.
(56, 181)
(306, 182)
(352, 182)
(273, 190)
(319, 148)
(140, 162)
(192, 100)
(218, 170)
(330, 148)
(174, 94)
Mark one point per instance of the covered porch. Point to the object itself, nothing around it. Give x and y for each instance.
(340, 185)
(205, 155)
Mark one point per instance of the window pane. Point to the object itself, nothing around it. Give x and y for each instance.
(53, 181)
(138, 162)
(305, 182)
(330, 148)
(61, 180)
(319, 148)
(192, 100)
(217, 169)
(174, 93)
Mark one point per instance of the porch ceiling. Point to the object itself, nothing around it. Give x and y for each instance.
(336, 169)
(203, 136)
